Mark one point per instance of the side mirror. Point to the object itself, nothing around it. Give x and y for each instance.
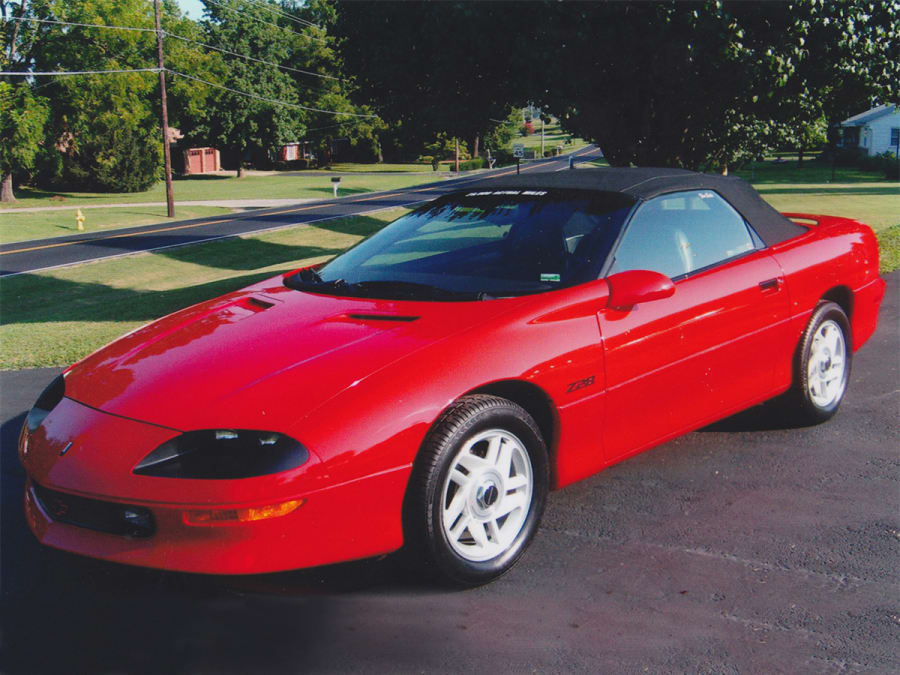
(627, 289)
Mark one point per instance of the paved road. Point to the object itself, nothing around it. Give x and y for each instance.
(31, 256)
(748, 547)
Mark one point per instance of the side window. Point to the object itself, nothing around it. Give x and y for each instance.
(678, 233)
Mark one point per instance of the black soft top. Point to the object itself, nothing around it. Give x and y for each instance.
(646, 183)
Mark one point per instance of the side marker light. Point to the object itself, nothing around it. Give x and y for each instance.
(226, 516)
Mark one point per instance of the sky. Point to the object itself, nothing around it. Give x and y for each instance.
(192, 8)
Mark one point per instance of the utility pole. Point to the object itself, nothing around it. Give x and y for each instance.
(170, 199)
(457, 157)
(542, 134)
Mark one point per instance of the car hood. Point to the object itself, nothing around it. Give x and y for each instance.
(264, 357)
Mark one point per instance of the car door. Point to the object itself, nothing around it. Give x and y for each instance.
(702, 353)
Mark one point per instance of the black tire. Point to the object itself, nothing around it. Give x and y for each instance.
(814, 397)
(482, 543)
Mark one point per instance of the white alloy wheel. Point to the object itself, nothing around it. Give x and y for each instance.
(821, 366)
(486, 495)
(825, 367)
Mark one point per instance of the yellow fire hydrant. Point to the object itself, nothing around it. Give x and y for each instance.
(79, 219)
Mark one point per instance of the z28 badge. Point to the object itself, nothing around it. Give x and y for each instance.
(580, 384)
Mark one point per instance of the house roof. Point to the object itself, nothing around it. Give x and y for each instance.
(646, 183)
(864, 118)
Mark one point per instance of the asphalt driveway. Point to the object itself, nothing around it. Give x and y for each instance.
(748, 547)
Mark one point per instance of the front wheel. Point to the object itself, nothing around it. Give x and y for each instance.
(477, 491)
(823, 365)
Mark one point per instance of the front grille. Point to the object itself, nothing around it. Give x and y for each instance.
(93, 514)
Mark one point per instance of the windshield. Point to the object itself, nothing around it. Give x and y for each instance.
(479, 245)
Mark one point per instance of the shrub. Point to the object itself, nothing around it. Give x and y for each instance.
(469, 164)
(124, 159)
(887, 162)
(843, 156)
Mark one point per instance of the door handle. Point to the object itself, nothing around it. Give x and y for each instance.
(768, 286)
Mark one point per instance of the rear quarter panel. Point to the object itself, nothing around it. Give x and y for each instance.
(838, 260)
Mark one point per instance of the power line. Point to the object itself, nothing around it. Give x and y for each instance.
(267, 23)
(189, 77)
(265, 5)
(184, 39)
(78, 72)
(263, 98)
(84, 25)
(248, 58)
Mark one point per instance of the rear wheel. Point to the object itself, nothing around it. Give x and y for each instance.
(823, 365)
(477, 491)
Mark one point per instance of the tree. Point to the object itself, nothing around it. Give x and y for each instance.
(245, 127)
(103, 130)
(22, 120)
(440, 67)
(314, 51)
(700, 85)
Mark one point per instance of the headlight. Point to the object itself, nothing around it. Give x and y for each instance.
(223, 453)
(46, 402)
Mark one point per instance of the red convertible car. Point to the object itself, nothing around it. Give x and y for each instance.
(428, 387)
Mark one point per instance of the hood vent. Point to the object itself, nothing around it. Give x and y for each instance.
(382, 317)
(256, 304)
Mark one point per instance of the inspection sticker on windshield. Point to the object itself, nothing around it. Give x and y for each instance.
(549, 277)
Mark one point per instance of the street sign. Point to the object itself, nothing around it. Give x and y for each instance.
(518, 150)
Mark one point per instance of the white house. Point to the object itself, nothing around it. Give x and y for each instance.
(876, 130)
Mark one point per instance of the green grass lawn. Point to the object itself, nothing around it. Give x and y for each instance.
(56, 317)
(814, 172)
(195, 188)
(553, 136)
(862, 195)
(889, 248)
(42, 224)
(876, 204)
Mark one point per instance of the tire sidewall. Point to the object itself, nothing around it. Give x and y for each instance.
(825, 312)
(508, 417)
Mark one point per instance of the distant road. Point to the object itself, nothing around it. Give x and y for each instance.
(36, 255)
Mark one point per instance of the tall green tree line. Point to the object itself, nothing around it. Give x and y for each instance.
(694, 84)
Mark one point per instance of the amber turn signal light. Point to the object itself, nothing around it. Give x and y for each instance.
(226, 516)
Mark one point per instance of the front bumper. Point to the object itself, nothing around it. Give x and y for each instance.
(97, 494)
(331, 526)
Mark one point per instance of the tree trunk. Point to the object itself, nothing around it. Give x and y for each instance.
(12, 45)
(475, 147)
(800, 158)
(6, 191)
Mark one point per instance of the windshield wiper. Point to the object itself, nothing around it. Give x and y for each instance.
(310, 280)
